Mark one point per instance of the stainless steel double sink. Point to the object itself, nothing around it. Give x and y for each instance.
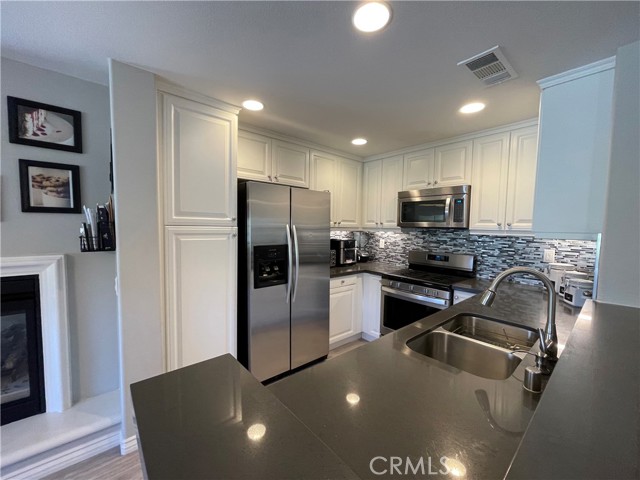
(481, 346)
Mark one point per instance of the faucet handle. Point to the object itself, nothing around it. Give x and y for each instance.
(543, 344)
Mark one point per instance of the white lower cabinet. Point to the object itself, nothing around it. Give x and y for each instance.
(345, 300)
(371, 296)
(200, 293)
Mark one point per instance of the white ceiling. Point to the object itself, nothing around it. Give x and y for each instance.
(319, 79)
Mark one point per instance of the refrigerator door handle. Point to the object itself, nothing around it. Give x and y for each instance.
(297, 254)
(290, 260)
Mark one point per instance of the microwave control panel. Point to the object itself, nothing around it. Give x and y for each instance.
(458, 210)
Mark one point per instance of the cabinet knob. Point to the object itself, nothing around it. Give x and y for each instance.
(499, 224)
(436, 182)
(508, 224)
(276, 178)
(270, 179)
(428, 183)
(339, 223)
(341, 281)
(233, 219)
(234, 235)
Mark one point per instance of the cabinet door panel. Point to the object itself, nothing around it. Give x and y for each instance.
(418, 170)
(324, 170)
(452, 164)
(201, 293)
(522, 172)
(342, 309)
(290, 163)
(199, 145)
(372, 177)
(254, 156)
(391, 185)
(371, 297)
(489, 182)
(349, 184)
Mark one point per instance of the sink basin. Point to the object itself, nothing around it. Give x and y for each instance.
(484, 360)
(492, 332)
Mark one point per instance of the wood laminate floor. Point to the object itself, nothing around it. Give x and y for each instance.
(110, 465)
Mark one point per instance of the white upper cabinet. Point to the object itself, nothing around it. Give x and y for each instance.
(269, 160)
(382, 182)
(523, 161)
(254, 156)
(489, 182)
(452, 164)
(343, 179)
(576, 111)
(502, 187)
(418, 170)
(442, 166)
(290, 163)
(199, 155)
(349, 188)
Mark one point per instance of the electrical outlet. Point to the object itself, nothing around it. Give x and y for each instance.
(382, 243)
(549, 255)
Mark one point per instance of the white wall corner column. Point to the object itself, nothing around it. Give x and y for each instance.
(138, 257)
(619, 275)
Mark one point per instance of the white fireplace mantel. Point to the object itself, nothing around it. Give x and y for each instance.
(55, 326)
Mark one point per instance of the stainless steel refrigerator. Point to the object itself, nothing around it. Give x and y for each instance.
(283, 277)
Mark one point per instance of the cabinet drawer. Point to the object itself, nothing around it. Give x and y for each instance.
(342, 282)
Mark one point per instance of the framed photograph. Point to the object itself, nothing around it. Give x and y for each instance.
(49, 187)
(41, 125)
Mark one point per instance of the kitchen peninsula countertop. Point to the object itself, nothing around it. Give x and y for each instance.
(194, 422)
(412, 406)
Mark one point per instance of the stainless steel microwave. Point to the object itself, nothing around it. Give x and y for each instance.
(446, 207)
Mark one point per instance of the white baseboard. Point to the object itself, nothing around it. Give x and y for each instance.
(370, 337)
(64, 456)
(344, 341)
(129, 445)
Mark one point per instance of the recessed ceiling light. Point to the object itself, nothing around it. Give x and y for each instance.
(359, 141)
(472, 107)
(254, 105)
(371, 16)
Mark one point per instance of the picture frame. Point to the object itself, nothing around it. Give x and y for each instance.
(41, 125)
(47, 187)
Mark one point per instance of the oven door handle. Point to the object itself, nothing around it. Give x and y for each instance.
(431, 301)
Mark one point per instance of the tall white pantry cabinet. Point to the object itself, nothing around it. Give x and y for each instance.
(198, 145)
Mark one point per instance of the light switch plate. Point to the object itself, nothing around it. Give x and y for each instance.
(549, 255)
(382, 243)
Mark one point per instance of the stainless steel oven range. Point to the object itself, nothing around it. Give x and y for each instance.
(423, 289)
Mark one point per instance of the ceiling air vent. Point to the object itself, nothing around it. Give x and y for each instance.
(491, 67)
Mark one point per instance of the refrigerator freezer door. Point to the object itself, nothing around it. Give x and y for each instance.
(310, 212)
(268, 213)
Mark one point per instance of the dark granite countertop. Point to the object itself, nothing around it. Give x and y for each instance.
(413, 406)
(474, 285)
(376, 268)
(214, 420)
(586, 425)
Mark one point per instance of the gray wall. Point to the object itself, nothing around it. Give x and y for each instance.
(91, 296)
(619, 280)
(133, 111)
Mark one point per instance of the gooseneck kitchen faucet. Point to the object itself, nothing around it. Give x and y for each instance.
(548, 343)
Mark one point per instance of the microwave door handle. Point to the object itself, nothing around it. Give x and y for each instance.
(290, 265)
(297, 256)
(447, 209)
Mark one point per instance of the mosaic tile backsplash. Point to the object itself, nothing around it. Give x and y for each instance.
(494, 253)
